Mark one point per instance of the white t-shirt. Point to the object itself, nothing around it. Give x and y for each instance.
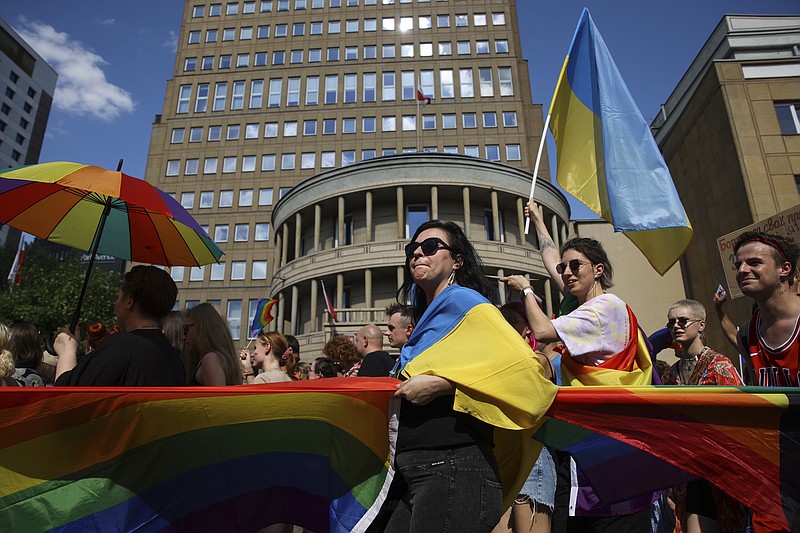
(595, 331)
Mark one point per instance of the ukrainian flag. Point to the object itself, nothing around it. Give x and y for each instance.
(607, 157)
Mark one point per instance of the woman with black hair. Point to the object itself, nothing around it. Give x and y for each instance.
(454, 397)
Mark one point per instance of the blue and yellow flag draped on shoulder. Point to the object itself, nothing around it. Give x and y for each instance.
(607, 157)
(463, 338)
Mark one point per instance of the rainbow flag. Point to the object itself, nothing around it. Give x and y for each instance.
(263, 315)
(607, 157)
(314, 454)
(744, 440)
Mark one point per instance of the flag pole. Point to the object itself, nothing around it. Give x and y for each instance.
(418, 125)
(544, 137)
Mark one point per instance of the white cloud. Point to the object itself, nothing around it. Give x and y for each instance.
(171, 43)
(82, 87)
(107, 22)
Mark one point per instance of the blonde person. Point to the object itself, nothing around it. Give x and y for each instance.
(270, 349)
(172, 327)
(6, 360)
(209, 355)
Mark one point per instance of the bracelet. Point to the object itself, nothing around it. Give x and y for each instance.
(247, 374)
(525, 292)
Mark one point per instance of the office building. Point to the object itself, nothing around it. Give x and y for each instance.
(311, 137)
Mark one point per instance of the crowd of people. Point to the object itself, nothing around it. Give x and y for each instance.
(447, 473)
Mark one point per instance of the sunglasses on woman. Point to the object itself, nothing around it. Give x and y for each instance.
(573, 265)
(682, 322)
(429, 246)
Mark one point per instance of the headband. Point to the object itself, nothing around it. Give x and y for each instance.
(773, 244)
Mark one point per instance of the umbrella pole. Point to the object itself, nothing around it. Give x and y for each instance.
(99, 233)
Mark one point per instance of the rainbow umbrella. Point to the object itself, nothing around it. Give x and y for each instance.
(102, 211)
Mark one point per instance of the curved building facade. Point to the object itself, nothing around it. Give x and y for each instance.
(348, 228)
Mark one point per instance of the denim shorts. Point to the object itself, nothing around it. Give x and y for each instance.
(541, 483)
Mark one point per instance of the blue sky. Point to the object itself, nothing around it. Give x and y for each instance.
(114, 59)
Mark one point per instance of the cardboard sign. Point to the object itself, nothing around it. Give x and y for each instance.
(785, 223)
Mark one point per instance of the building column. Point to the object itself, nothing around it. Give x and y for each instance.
(435, 202)
(563, 233)
(548, 297)
(400, 277)
(401, 224)
(467, 213)
(501, 287)
(285, 245)
(521, 221)
(313, 291)
(298, 234)
(295, 315)
(340, 223)
(495, 216)
(278, 261)
(281, 308)
(554, 230)
(368, 287)
(339, 290)
(317, 226)
(368, 208)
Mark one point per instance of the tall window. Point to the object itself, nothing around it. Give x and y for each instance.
(348, 231)
(486, 81)
(220, 95)
(274, 99)
(408, 90)
(506, 83)
(234, 316)
(488, 226)
(350, 88)
(237, 98)
(293, 92)
(184, 97)
(331, 89)
(256, 94)
(788, 117)
(416, 215)
(446, 84)
(369, 87)
(312, 90)
(465, 83)
(388, 90)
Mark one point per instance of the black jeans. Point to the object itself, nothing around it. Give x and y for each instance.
(448, 490)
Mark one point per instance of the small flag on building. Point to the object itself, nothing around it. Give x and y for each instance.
(421, 98)
(263, 315)
(328, 302)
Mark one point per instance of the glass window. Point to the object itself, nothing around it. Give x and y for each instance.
(234, 313)
(499, 19)
(184, 97)
(333, 54)
(245, 197)
(309, 127)
(469, 120)
(241, 232)
(369, 87)
(328, 159)
(416, 215)
(449, 121)
(229, 165)
(263, 32)
(351, 26)
(242, 60)
(316, 28)
(312, 90)
(406, 50)
(194, 37)
(307, 160)
(293, 92)
(220, 95)
(211, 36)
(406, 23)
(388, 89)
(350, 53)
(187, 200)
(489, 119)
(248, 163)
(510, 119)
(428, 122)
(442, 21)
(296, 57)
(462, 48)
(173, 167)
(479, 19)
(387, 24)
(461, 21)
(274, 98)
(329, 126)
(248, 7)
(287, 161)
(238, 269)
(334, 26)
(190, 64)
(348, 125)
(177, 135)
(450, 149)
(387, 51)
(210, 165)
(233, 132)
(196, 273)
(331, 89)
(513, 152)
(492, 152)
(283, 5)
(348, 157)
(370, 51)
(290, 128)
(232, 8)
(350, 88)
(176, 273)
(278, 58)
(367, 154)
(237, 98)
(225, 61)
(206, 199)
(265, 197)
(788, 114)
(506, 84)
(471, 151)
(370, 25)
(314, 55)
(445, 49)
(501, 46)
(408, 85)
(217, 272)
(486, 81)
(214, 10)
(214, 133)
(191, 167)
(409, 123)
(226, 198)
(298, 29)
(228, 34)
(207, 63)
(368, 125)
(426, 49)
(281, 30)
(259, 270)
(424, 22)
(481, 47)
(465, 83)
(267, 162)
(388, 124)
(256, 94)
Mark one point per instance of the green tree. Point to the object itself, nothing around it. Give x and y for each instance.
(48, 293)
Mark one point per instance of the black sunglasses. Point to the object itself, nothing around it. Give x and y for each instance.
(573, 265)
(682, 322)
(429, 246)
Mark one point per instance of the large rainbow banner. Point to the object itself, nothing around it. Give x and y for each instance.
(315, 454)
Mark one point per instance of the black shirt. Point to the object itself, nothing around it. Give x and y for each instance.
(435, 425)
(376, 365)
(140, 358)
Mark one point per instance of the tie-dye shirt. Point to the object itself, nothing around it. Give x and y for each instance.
(596, 330)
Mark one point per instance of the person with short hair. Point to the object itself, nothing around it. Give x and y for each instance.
(766, 265)
(25, 346)
(400, 324)
(324, 367)
(140, 354)
(375, 362)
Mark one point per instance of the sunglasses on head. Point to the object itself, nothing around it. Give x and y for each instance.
(573, 265)
(429, 246)
(682, 322)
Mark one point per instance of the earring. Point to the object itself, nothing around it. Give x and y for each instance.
(452, 279)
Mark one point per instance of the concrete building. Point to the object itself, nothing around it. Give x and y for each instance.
(27, 84)
(294, 131)
(730, 133)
